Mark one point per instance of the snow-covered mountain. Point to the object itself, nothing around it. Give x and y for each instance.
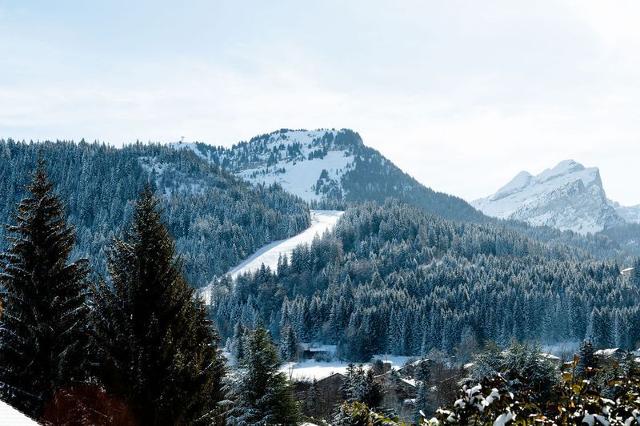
(328, 165)
(569, 196)
(309, 164)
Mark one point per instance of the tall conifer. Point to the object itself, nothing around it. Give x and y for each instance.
(43, 334)
(155, 346)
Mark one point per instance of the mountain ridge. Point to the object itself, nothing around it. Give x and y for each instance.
(568, 196)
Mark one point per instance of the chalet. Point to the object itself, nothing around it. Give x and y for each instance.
(399, 394)
(552, 358)
(318, 353)
(322, 395)
(611, 355)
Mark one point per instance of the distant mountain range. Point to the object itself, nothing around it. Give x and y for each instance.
(568, 196)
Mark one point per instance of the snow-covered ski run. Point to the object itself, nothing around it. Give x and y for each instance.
(321, 222)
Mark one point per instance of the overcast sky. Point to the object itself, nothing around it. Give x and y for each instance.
(460, 94)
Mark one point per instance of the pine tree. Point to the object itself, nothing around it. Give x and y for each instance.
(43, 334)
(423, 376)
(262, 394)
(154, 345)
(587, 361)
(289, 344)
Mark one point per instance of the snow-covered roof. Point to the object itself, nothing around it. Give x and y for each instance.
(410, 382)
(626, 271)
(11, 416)
(550, 357)
(607, 352)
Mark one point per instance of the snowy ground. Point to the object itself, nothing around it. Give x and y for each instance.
(321, 222)
(311, 369)
(11, 416)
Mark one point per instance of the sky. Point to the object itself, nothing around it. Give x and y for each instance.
(462, 95)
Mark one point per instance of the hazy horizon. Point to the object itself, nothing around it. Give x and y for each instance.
(460, 95)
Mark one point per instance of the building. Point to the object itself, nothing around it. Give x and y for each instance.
(399, 394)
(320, 397)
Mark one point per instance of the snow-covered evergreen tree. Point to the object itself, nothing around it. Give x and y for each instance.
(261, 395)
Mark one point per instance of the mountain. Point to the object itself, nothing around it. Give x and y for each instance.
(569, 196)
(329, 167)
(217, 219)
(630, 214)
(334, 169)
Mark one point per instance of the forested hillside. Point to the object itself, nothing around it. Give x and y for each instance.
(394, 279)
(335, 169)
(216, 219)
(363, 173)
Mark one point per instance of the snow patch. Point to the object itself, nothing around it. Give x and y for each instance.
(13, 417)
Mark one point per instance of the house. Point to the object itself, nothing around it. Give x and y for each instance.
(399, 394)
(552, 358)
(410, 369)
(317, 352)
(320, 396)
(611, 355)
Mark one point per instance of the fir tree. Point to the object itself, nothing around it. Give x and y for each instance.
(154, 344)
(43, 334)
(289, 344)
(587, 362)
(423, 376)
(262, 394)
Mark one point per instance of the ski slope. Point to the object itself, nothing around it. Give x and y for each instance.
(321, 222)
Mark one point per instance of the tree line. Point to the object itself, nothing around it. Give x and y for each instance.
(135, 348)
(392, 279)
(216, 219)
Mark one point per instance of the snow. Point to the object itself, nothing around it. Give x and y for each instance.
(627, 271)
(321, 221)
(294, 171)
(300, 177)
(607, 352)
(568, 197)
(13, 417)
(503, 419)
(561, 349)
(397, 361)
(311, 369)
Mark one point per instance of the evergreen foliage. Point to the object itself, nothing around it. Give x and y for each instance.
(587, 362)
(360, 386)
(358, 414)
(43, 335)
(216, 219)
(154, 345)
(391, 279)
(262, 394)
(609, 397)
